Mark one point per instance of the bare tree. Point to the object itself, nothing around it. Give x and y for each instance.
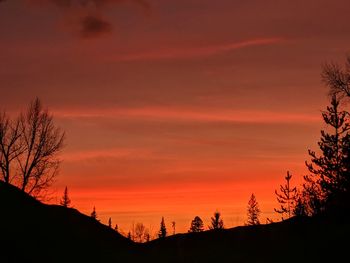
(10, 149)
(337, 78)
(140, 230)
(29, 146)
(41, 141)
(147, 235)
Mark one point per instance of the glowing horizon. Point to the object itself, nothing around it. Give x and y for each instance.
(174, 108)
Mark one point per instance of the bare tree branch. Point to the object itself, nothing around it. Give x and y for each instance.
(29, 148)
(42, 141)
(337, 78)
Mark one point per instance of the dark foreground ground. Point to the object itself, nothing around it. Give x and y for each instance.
(34, 232)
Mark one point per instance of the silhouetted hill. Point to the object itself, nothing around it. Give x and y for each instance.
(295, 240)
(34, 232)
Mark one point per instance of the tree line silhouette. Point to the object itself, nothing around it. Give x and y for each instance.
(30, 143)
(326, 187)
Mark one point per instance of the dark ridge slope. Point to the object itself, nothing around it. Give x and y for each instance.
(294, 240)
(34, 232)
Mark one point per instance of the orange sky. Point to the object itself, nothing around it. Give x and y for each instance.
(174, 108)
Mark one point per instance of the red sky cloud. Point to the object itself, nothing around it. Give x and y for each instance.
(78, 156)
(176, 53)
(248, 116)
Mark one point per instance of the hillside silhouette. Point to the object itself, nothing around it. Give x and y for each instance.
(34, 232)
(31, 231)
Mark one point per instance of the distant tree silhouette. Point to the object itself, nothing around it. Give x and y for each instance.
(216, 221)
(110, 222)
(129, 235)
(94, 214)
(329, 172)
(142, 233)
(269, 220)
(65, 201)
(116, 227)
(314, 199)
(139, 232)
(253, 211)
(196, 225)
(287, 197)
(300, 208)
(29, 146)
(173, 225)
(337, 78)
(147, 235)
(162, 231)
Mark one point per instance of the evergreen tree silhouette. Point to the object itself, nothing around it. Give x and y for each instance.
(216, 221)
(162, 231)
(110, 222)
(116, 227)
(329, 171)
(253, 211)
(129, 235)
(286, 197)
(65, 201)
(300, 208)
(196, 225)
(94, 214)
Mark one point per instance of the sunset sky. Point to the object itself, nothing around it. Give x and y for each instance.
(174, 108)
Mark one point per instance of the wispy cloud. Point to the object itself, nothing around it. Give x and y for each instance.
(181, 114)
(177, 53)
(77, 156)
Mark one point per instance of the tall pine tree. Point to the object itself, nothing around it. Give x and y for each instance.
(328, 177)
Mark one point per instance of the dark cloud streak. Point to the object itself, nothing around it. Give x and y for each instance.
(96, 3)
(89, 15)
(93, 26)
